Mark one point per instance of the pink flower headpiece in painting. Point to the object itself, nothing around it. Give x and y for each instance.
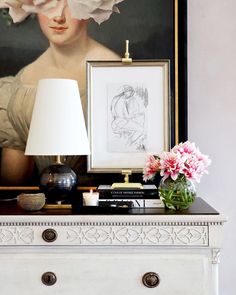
(99, 10)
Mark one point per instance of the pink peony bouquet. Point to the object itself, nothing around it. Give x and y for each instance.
(183, 159)
(99, 10)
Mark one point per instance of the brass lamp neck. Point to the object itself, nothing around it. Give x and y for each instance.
(58, 160)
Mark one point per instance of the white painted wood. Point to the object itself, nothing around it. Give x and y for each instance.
(106, 255)
(114, 273)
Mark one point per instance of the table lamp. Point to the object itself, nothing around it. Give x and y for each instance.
(57, 129)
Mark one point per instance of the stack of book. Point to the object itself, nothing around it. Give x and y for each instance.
(147, 197)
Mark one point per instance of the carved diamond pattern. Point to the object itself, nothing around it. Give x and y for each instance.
(176, 235)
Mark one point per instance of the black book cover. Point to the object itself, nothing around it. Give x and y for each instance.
(147, 192)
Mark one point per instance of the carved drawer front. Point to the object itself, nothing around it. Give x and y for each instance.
(104, 273)
(184, 235)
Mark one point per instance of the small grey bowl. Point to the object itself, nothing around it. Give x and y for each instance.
(31, 202)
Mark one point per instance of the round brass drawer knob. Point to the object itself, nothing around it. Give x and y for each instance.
(151, 280)
(49, 278)
(49, 235)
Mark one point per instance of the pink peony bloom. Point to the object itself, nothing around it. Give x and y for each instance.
(186, 148)
(183, 159)
(151, 168)
(191, 169)
(171, 165)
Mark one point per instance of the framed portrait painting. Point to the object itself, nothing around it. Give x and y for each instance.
(157, 31)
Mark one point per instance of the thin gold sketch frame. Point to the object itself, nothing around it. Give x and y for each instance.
(135, 66)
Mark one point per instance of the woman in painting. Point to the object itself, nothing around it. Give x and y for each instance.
(64, 23)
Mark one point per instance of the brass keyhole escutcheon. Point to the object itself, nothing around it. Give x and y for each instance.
(49, 278)
(49, 235)
(151, 279)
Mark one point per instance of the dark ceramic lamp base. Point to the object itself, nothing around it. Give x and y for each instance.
(58, 182)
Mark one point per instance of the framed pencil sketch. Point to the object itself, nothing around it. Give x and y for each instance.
(128, 113)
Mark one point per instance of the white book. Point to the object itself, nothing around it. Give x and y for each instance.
(140, 203)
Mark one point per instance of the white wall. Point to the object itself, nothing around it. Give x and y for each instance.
(212, 113)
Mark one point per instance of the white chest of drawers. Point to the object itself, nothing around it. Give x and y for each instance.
(110, 254)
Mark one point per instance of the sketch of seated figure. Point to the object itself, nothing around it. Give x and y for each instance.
(129, 116)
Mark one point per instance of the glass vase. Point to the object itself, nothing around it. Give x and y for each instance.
(177, 194)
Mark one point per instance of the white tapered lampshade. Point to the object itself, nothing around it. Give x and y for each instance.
(57, 124)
